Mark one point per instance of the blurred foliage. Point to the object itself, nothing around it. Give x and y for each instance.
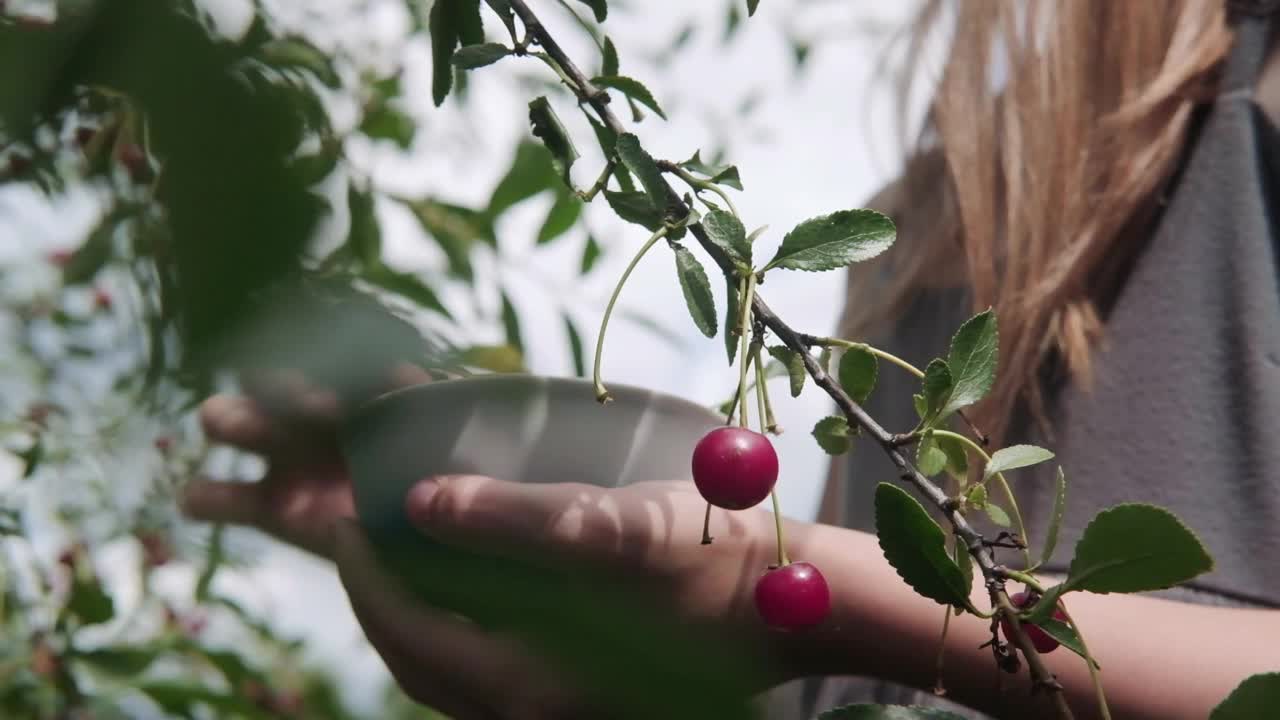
(232, 230)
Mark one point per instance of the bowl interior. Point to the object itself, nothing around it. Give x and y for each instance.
(518, 428)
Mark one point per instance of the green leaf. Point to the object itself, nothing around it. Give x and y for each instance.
(620, 173)
(31, 458)
(794, 363)
(1064, 634)
(548, 128)
(364, 237)
(731, 22)
(751, 7)
(916, 547)
(719, 174)
(609, 65)
(471, 57)
(631, 88)
(1136, 547)
(511, 324)
(857, 373)
(562, 215)
(977, 496)
(456, 230)
(1257, 697)
(121, 660)
(494, 358)
(575, 347)
(599, 7)
(634, 207)
(1055, 516)
(384, 122)
(726, 232)
(635, 159)
(885, 712)
(531, 172)
(930, 460)
(918, 402)
(176, 698)
(834, 241)
(89, 603)
(732, 316)
(973, 359)
(406, 285)
(590, 254)
(697, 290)
(937, 388)
(451, 23)
(957, 457)
(997, 514)
(294, 52)
(729, 176)
(833, 434)
(1015, 456)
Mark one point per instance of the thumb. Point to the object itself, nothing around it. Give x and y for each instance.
(216, 501)
(541, 521)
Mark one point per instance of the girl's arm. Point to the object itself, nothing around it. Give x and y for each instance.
(1160, 659)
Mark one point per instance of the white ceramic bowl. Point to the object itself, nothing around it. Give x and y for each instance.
(514, 427)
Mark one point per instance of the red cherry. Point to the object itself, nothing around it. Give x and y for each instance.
(1042, 641)
(164, 443)
(734, 468)
(101, 299)
(793, 597)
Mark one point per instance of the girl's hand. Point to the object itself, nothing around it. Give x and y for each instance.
(291, 424)
(648, 532)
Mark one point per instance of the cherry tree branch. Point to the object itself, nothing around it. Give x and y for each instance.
(982, 554)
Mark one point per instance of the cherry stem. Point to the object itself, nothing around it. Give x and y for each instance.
(748, 292)
(602, 395)
(1103, 709)
(939, 688)
(706, 526)
(783, 560)
(768, 422)
(761, 397)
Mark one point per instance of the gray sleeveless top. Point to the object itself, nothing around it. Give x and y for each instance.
(1185, 408)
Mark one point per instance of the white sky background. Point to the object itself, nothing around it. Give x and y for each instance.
(817, 142)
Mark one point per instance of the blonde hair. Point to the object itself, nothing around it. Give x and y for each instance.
(1041, 188)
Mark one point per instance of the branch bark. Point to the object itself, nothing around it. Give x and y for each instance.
(598, 100)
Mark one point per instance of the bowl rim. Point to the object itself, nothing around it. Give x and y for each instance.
(615, 389)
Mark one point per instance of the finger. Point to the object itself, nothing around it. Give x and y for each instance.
(550, 524)
(436, 655)
(289, 393)
(215, 501)
(240, 422)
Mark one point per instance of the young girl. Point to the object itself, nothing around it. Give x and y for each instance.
(1112, 197)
